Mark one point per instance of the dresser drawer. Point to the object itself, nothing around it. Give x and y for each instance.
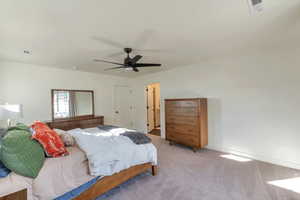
(65, 125)
(190, 103)
(185, 120)
(183, 129)
(183, 139)
(77, 123)
(91, 123)
(182, 111)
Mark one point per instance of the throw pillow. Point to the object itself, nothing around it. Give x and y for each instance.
(21, 154)
(50, 140)
(67, 138)
(20, 126)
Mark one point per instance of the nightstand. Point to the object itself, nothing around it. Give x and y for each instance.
(20, 195)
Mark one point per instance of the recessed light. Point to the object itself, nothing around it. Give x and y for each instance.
(26, 52)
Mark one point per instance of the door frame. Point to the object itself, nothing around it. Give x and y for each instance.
(154, 103)
(154, 106)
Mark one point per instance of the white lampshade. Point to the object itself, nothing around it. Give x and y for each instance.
(11, 111)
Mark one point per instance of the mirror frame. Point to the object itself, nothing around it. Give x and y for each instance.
(76, 117)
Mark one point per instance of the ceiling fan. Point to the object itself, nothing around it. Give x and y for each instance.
(129, 63)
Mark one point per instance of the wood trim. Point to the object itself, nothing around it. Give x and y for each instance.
(70, 118)
(20, 195)
(109, 182)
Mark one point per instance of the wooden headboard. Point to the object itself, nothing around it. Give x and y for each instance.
(86, 122)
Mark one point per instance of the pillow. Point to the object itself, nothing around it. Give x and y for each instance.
(21, 154)
(67, 138)
(75, 131)
(20, 126)
(50, 140)
(3, 170)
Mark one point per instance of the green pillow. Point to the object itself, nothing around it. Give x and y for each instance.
(21, 154)
(19, 126)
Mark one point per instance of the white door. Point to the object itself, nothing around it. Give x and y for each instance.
(150, 108)
(123, 106)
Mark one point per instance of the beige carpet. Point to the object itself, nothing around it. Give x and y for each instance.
(205, 175)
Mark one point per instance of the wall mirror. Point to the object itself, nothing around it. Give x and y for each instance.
(68, 104)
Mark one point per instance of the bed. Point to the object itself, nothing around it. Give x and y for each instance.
(68, 177)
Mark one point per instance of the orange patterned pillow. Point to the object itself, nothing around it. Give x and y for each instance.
(50, 140)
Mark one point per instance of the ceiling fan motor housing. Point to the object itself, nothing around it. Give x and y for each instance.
(130, 62)
(128, 50)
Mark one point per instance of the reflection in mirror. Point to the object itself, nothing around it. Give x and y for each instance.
(72, 103)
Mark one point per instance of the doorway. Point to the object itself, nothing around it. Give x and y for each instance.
(153, 108)
(123, 116)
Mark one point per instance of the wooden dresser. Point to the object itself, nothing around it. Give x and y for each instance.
(186, 122)
(84, 122)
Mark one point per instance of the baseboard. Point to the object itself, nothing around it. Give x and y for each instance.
(275, 161)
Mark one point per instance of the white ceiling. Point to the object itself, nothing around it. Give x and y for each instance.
(71, 33)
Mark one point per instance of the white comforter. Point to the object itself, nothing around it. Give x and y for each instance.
(110, 153)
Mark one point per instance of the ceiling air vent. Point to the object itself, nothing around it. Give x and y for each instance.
(255, 5)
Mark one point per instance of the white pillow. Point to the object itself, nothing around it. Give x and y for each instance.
(67, 138)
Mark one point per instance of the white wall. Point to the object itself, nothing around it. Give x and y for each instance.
(30, 85)
(253, 100)
(253, 103)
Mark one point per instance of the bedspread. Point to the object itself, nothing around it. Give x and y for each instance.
(108, 154)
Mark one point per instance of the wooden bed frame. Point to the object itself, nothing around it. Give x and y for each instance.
(108, 182)
(103, 185)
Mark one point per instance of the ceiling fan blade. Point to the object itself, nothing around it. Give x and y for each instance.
(108, 42)
(115, 63)
(136, 59)
(113, 68)
(147, 65)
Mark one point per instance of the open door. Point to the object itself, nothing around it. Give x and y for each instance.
(153, 108)
(150, 109)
